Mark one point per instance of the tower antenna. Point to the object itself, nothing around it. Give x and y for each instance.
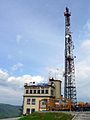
(69, 76)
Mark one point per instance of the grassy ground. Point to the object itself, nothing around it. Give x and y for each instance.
(47, 116)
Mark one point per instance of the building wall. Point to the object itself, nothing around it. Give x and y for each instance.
(57, 84)
(57, 88)
(30, 106)
(49, 88)
(36, 96)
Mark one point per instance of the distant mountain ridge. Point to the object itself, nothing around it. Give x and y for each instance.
(8, 111)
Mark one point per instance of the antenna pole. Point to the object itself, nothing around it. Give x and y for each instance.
(69, 81)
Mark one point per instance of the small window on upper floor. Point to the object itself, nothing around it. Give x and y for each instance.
(46, 91)
(42, 91)
(38, 91)
(34, 91)
(26, 91)
(30, 91)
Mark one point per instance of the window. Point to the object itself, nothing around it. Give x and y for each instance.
(28, 111)
(28, 101)
(46, 91)
(42, 91)
(33, 101)
(30, 91)
(38, 91)
(43, 102)
(26, 91)
(34, 91)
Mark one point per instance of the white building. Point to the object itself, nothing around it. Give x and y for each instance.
(36, 96)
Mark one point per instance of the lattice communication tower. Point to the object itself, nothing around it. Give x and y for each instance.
(69, 81)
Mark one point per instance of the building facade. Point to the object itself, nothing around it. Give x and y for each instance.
(36, 95)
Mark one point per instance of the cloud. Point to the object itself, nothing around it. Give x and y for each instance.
(86, 44)
(19, 81)
(83, 70)
(83, 79)
(11, 87)
(17, 66)
(18, 38)
(10, 95)
(3, 75)
(83, 64)
(56, 73)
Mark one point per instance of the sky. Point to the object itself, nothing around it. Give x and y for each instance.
(32, 45)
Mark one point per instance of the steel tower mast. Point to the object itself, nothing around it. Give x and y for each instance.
(69, 83)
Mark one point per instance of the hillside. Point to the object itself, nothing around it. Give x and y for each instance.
(48, 116)
(7, 111)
